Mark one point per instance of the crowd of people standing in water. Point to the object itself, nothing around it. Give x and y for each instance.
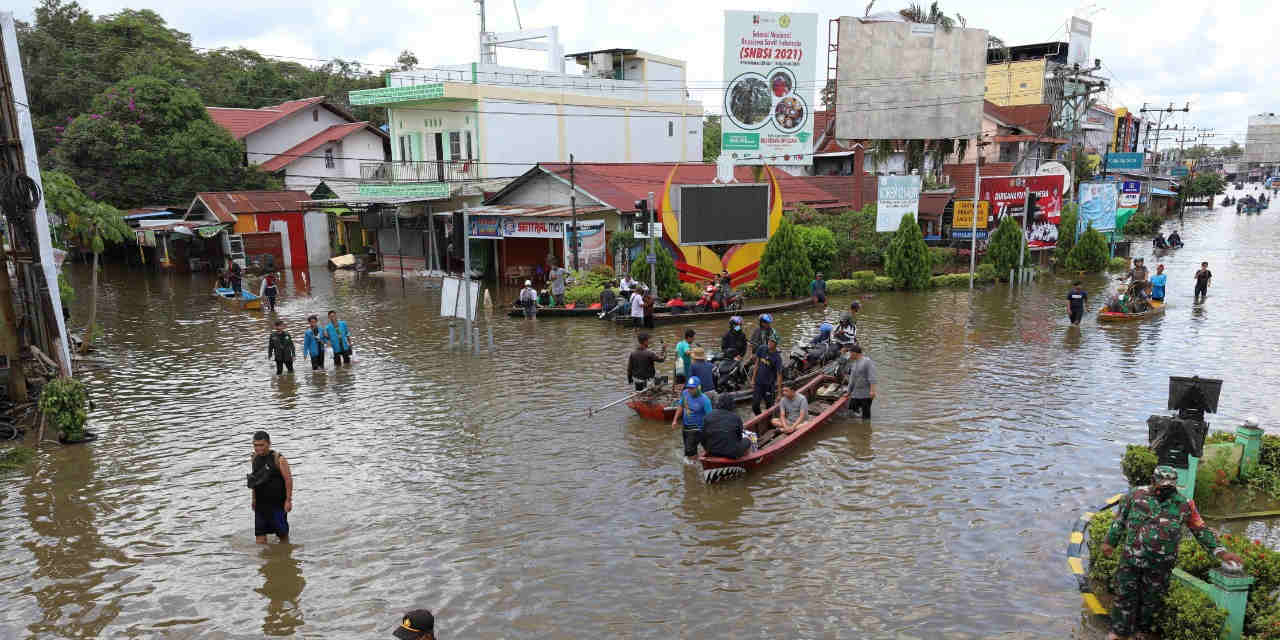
(334, 337)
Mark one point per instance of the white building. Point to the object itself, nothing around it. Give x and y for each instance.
(467, 123)
(304, 141)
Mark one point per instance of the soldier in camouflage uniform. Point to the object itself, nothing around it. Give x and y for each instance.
(1148, 530)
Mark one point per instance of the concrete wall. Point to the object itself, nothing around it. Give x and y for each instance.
(1262, 141)
(1015, 83)
(283, 134)
(446, 117)
(307, 172)
(315, 225)
(890, 71)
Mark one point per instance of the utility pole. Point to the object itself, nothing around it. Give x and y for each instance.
(653, 254)
(573, 209)
(1164, 112)
(973, 221)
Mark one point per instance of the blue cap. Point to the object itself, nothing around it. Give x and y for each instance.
(735, 320)
(825, 327)
(768, 317)
(693, 383)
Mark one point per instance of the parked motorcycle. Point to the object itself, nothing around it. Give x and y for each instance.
(714, 299)
(732, 374)
(803, 358)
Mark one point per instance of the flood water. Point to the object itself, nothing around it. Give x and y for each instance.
(477, 485)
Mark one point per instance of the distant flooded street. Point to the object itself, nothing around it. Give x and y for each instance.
(477, 485)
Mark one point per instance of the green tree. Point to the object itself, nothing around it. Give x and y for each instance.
(667, 275)
(711, 138)
(907, 261)
(820, 245)
(146, 140)
(92, 224)
(1090, 253)
(1066, 231)
(784, 267)
(1005, 245)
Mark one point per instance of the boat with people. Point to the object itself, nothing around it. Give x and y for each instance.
(774, 442)
(661, 403)
(669, 317)
(246, 300)
(1130, 303)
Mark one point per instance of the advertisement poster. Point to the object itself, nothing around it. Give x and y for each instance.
(769, 62)
(897, 195)
(521, 228)
(483, 226)
(1006, 196)
(1098, 206)
(591, 249)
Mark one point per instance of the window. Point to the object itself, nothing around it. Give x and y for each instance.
(671, 128)
(1022, 86)
(406, 148)
(469, 156)
(455, 145)
(328, 158)
(315, 115)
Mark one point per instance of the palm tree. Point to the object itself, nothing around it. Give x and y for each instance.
(915, 13)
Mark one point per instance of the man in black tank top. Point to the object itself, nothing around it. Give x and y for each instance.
(272, 485)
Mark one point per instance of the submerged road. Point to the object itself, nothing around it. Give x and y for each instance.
(478, 487)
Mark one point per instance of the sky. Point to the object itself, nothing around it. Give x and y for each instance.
(1199, 53)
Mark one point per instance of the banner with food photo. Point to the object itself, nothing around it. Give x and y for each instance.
(769, 86)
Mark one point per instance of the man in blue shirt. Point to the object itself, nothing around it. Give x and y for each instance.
(703, 370)
(339, 339)
(1157, 284)
(694, 407)
(768, 375)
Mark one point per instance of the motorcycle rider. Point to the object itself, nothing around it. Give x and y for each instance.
(824, 334)
(734, 342)
(764, 332)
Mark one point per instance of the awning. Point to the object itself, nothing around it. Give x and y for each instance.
(526, 211)
(1155, 191)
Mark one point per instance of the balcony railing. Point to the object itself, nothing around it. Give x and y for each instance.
(424, 171)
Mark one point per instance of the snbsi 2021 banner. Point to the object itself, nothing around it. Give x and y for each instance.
(1007, 197)
(769, 62)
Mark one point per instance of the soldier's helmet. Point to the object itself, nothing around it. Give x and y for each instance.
(1164, 476)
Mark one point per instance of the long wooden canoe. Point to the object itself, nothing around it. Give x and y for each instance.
(246, 301)
(1157, 308)
(663, 406)
(669, 318)
(781, 442)
(580, 311)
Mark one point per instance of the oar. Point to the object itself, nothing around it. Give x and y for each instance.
(616, 402)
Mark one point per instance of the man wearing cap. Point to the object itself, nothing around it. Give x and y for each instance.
(1148, 529)
(694, 407)
(763, 333)
(418, 624)
(767, 376)
(529, 299)
(862, 382)
(818, 289)
(703, 370)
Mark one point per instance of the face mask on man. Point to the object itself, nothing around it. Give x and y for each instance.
(1164, 492)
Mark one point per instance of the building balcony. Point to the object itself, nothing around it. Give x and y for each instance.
(423, 171)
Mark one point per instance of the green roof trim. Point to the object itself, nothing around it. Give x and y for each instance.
(392, 95)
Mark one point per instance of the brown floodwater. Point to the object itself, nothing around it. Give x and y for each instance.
(477, 485)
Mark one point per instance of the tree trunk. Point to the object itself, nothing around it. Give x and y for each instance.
(93, 306)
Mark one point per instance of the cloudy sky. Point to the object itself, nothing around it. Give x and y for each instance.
(1210, 54)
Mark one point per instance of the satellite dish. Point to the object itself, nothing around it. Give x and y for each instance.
(1056, 169)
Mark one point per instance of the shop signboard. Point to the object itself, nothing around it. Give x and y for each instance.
(483, 226)
(1007, 196)
(769, 61)
(1118, 161)
(896, 196)
(1130, 192)
(590, 241)
(962, 216)
(533, 228)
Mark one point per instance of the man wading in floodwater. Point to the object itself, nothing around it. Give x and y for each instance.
(1148, 529)
(272, 485)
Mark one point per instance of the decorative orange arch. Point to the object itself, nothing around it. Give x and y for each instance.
(698, 263)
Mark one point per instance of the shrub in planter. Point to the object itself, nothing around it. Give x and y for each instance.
(908, 260)
(690, 292)
(882, 283)
(986, 272)
(1117, 264)
(1188, 614)
(838, 287)
(583, 294)
(1101, 567)
(1138, 464)
(65, 404)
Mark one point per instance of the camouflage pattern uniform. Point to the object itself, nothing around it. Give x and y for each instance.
(1147, 532)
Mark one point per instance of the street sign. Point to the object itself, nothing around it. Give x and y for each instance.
(651, 259)
(1124, 161)
(1179, 172)
(962, 215)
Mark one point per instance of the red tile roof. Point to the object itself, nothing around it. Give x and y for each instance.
(242, 122)
(1032, 117)
(332, 134)
(226, 205)
(620, 185)
(961, 175)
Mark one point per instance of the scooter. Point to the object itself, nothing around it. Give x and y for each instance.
(732, 373)
(804, 358)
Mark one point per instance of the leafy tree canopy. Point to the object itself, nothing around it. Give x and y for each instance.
(784, 267)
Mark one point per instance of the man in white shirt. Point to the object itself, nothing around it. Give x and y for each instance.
(529, 300)
(637, 308)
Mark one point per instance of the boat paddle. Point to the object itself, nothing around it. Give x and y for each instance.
(616, 402)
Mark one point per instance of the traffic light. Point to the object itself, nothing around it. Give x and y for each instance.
(642, 206)
(1033, 207)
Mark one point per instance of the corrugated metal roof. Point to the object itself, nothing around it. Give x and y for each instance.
(226, 205)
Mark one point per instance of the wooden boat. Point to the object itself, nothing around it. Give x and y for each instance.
(668, 318)
(247, 300)
(1117, 316)
(716, 468)
(580, 311)
(663, 406)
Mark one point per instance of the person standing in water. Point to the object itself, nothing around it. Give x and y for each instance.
(339, 339)
(1203, 276)
(313, 343)
(1157, 284)
(268, 290)
(280, 347)
(1076, 298)
(272, 484)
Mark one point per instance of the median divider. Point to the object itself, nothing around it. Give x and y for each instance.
(1075, 555)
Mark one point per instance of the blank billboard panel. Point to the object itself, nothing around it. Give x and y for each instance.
(1262, 140)
(899, 80)
(724, 213)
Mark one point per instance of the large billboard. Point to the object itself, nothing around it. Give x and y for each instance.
(1262, 140)
(896, 196)
(1008, 196)
(724, 214)
(899, 80)
(769, 62)
(1098, 201)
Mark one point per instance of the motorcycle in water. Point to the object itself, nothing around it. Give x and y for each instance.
(732, 373)
(714, 298)
(804, 358)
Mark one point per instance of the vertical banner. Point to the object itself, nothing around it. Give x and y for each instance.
(1130, 197)
(897, 195)
(1006, 196)
(590, 241)
(1098, 206)
(769, 73)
